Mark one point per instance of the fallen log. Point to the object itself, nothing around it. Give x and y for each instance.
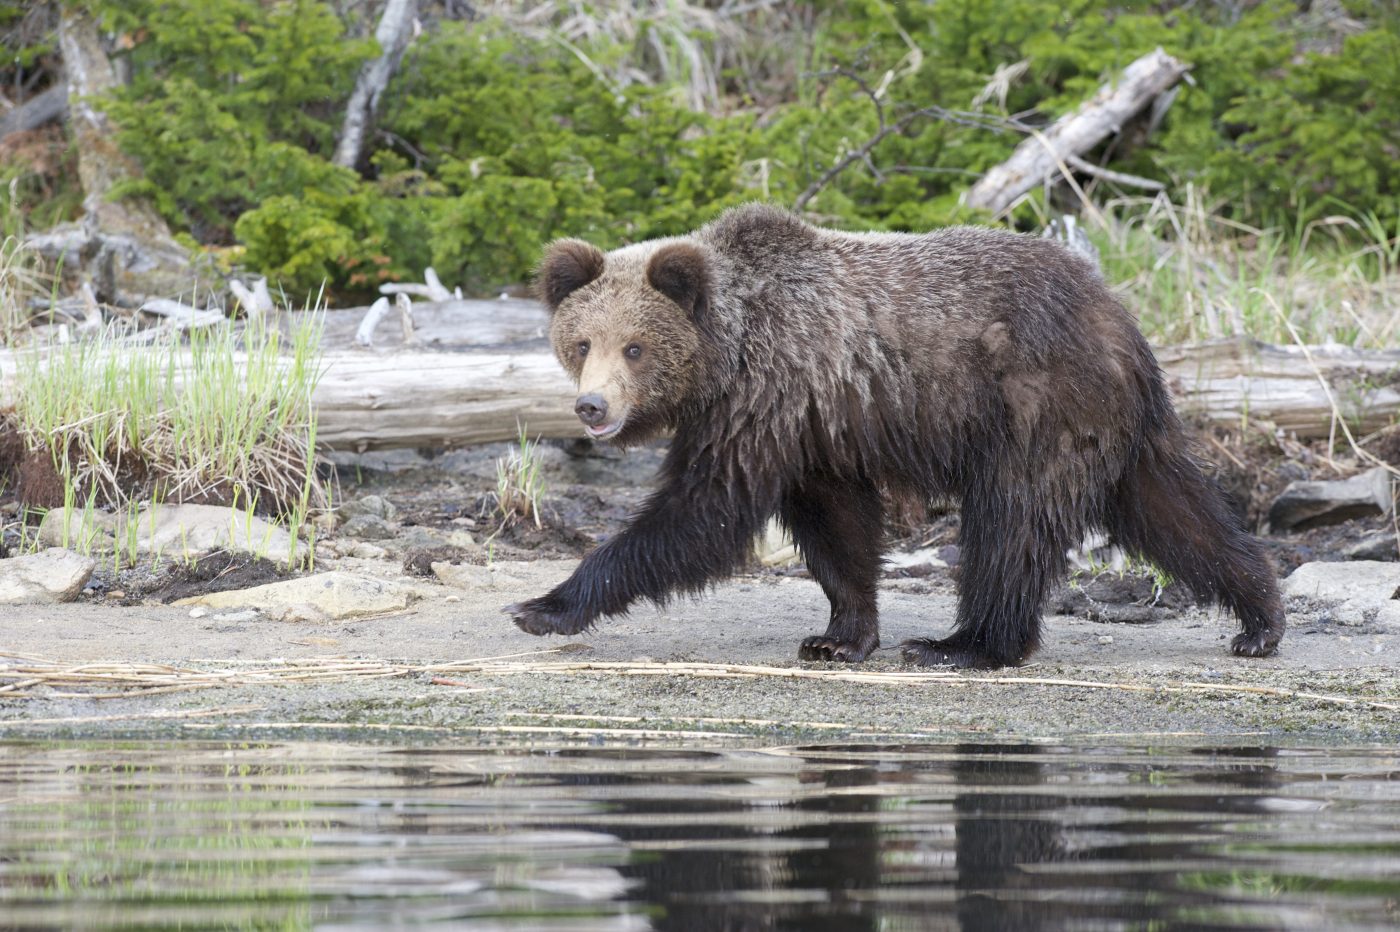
(1044, 154)
(423, 399)
(451, 324)
(1235, 382)
(420, 398)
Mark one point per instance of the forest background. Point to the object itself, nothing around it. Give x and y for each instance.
(509, 124)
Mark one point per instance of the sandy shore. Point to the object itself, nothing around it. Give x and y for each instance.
(1329, 683)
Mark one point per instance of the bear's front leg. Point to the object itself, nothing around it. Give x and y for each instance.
(683, 539)
(838, 525)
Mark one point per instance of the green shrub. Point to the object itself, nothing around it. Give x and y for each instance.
(495, 139)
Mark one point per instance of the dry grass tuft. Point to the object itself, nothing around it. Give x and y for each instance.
(1192, 274)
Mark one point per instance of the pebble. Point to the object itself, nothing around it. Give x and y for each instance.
(1105, 639)
(198, 612)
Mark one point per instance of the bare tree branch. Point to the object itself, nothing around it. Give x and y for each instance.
(884, 129)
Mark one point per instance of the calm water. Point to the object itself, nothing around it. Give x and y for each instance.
(294, 835)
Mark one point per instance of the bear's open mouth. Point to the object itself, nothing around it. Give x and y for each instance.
(603, 431)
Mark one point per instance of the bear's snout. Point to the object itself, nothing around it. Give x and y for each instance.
(591, 409)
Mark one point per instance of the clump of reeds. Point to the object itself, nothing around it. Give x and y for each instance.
(520, 484)
(1192, 273)
(225, 417)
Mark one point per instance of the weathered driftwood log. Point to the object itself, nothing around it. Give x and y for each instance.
(1234, 382)
(255, 301)
(1042, 154)
(418, 398)
(454, 324)
(423, 399)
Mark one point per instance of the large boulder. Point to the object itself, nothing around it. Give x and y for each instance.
(54, 575)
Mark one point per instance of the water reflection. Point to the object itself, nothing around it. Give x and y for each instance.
(812, 838)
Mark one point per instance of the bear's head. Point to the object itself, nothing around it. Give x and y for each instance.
(629, 328)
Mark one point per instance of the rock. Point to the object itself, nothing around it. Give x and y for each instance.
(239, 616)
(1305, 505)
(364, 550)
(175, 531)
(324, 596)
(1361, 591)
(55, 575)
(189, 530)
(88, 531)
(419, 561)
(467, 576)
(373, 506)
(368, 527)
(1369, 580)
(1378, 545)
(418, 537)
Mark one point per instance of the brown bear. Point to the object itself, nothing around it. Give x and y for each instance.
(806, 372)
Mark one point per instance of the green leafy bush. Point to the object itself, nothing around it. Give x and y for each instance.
(494, 139)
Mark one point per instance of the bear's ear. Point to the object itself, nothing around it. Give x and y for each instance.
(680, 272)
(568, 265)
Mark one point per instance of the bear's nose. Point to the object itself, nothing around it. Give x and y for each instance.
(591, 409)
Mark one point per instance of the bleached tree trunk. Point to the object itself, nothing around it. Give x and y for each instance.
(1043, 154)
(396, 27)
(123, 246)
(101, 163)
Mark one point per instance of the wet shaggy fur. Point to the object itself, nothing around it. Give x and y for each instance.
(806, 371)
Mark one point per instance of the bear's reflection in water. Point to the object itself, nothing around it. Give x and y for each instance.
(959, 841)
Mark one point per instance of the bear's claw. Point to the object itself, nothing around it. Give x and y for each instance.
(926, 652)
(1256, 644)
(543, 616)
(827, 648)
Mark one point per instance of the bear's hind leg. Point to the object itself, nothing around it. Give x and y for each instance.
(1011, 552)
(838, 525)
(1168, 511)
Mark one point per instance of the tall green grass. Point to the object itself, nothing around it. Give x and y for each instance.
(222, 415)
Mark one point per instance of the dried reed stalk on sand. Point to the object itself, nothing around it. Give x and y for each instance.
(22, 675)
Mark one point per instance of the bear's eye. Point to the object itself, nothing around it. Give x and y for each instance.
(633, 351)
(583, 347)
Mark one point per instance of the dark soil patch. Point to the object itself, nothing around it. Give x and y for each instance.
(215, 572)
(1386, 445)
(11, 451)
(1128, 597)
(38, 484)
